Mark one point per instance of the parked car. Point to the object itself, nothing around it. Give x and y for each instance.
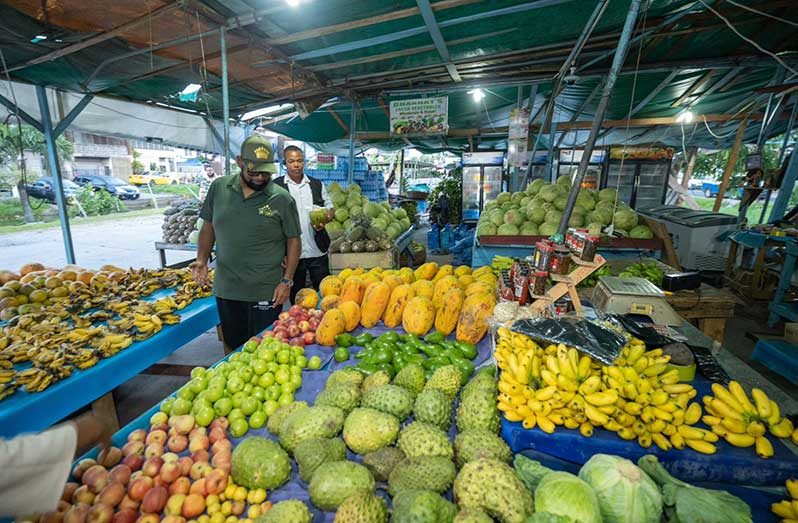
(115, 186)
(711, 189)
(44, 190)
(150, 177)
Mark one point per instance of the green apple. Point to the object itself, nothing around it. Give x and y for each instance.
(248, 388)
(234, 357)
(286, 399)
(267, 380)
(259, 393)
(235, 385)
(259, 367)
(258, 419)
(301, 361)
(272, 366)
(235, 414)
(223, 406)
(199, 372)
(273, 392)
(249, 405)
(284, 356)
(181, 406)
(166, 405)
(287, 388)
(204, 416)
(214, 392)
(185, 393)
(282, 376)
(296, 381)
(197, 385)
(314, 363)
(270, 406)
(238, 399)
(246, 374)
(238, 427)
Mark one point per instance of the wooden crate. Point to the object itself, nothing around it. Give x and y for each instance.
(366, 260)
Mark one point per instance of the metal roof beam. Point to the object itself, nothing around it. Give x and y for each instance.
(25, 117)
(654, 92)
(69, 118)
(437, 37)
(706, 77)
(725, 79)
(582, 107)
(392, 37)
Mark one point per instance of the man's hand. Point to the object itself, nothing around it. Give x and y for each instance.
(91, 430)
(281, 294)
(199, 271)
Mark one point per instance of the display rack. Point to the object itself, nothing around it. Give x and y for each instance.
(566, 284)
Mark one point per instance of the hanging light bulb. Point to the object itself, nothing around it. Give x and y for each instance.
(685, 117)
(477, 94)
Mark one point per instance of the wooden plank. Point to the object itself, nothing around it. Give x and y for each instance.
(338, 119)
(724, 184)
(713, 327)
(661, 232)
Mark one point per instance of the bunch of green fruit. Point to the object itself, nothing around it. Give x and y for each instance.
(392, 351)
(592, 280)
(647, 270)
(246, 388)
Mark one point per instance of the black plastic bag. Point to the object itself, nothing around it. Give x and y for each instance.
(598, 341)
(641, 331)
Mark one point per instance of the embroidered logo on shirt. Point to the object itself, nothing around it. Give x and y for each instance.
(266, 211)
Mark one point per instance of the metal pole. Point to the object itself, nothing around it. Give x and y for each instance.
(782, 152)
(787, 184)
(601, 110)
(352, 133)
(55, 172)
(550, 154)
(225, 101)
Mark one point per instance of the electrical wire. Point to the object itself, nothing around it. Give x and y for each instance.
(719, 137)
(20, 147)
(762, 13)
(738, 33)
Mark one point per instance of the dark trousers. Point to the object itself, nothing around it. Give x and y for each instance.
(243, 319)
(318, 269)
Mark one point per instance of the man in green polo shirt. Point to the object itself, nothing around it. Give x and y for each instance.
(255, 226)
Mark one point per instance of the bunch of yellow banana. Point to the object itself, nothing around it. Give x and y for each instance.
(635, 398)
(7, 375)
(742, 422)
(788, 509)
(110, 344)
(500, 263)
(34, 379)
(84, 358)
(7, 389)
(147, 325)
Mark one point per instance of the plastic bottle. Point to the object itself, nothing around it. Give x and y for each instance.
(433, 238)
(447, 237)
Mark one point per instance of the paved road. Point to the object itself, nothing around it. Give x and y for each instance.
(126, 242)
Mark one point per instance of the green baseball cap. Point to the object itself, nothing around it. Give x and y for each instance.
(258, 155)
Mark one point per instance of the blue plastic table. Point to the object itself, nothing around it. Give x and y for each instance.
(30, 412)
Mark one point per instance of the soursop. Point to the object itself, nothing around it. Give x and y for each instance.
(347, 375)
(480, 443)
(345, 396)
(422, 439)
(472, 516)
(411, 377)
(276, 420)
(446, 379)
(374, 380)
(258, 462)
(427, 473)
(367, 430)
(291, 510)
(433, 406)
(335, 481)
(362, 507)
(421, 506)
(381, 462)
(311, 453)
(319, 421)
(390, 399)
(493, 487)
(478, 407)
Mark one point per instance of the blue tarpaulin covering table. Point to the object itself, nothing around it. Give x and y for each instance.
(29, 412)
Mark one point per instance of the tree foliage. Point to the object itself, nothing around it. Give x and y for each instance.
(32, 140)
(451, 185)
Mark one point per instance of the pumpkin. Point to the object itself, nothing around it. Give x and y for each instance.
(332, 324)
(307, 298)
(449, 312)
(474, 314)
(426, 271)
(351, 312)
(418, 316)
(443, 286)
(329, 302)
(374, 302)
(423, 288)
(353, 289)
(400, 296)
(331, 285)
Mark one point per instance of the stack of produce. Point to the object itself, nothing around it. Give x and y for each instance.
(180, 221)
(53, 316)
(359, 220)
(636, 397)
(744, 423)
(448, 298)
(788, 508)
(537, 212)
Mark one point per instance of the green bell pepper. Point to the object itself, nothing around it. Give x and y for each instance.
(345, 340)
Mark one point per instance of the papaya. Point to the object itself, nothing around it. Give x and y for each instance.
(443, 271)
(331, 285)
(369, 278)
(418, 316)
(353, 289)
(351, 312)
(462, 270)
(426, 271)
(474, 314)
(407, 274)
(424, 288)
(374, 302)
(465, 280)
(482, 270)
(479, 287)
(329, 302)
(488, 277)
(400, 296)
(307, 298)
(449, 312)
(332, 324)
(345, 274)
(442, 286)
(393, 281)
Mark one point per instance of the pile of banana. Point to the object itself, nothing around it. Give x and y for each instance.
(637, 398)
(499, 263)
(94, 322)
(788, 508)
(744, 423)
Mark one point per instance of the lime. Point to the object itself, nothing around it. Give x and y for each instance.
(341, 354)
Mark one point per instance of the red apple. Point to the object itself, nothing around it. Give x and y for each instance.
(193, 506)
(137, 435)
(169, 472)
(149, 518)
(100, 513)
(183, 424)
(109, 457)
(283, 316)
(155, 500)
(81, 467)
(216, 481)
(295, 309)
(69, 489)
(220, 445)
(83, 495)
(133, 448)
(304, 326)
(174, 505)
(112, 494)
(185, 465)
(129, 503)
(309, 338)
(77, 514)
(134, 461)
(221, 423)
(156, 436)
(177, 443)
(199, 443)
(200, 469)
(216, 434)
(180, 486)
(173, 519)
(152, 467)
(52, 517)
(127, 515)
(314, 323)
(121, 474)
(268, 334)
(170, 457)
(198, 487)
(139, 487)
(96, 478)
(296, 342)
(200, 455)
(238, 507)
(293, 331)
(153, 450)
(197, 432)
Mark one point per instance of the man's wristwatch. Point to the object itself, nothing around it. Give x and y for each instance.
(288, 282)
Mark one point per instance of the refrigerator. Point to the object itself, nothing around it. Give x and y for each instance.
(483, 180)
(640, 174)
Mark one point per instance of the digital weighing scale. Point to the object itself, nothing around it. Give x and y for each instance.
(633, 296)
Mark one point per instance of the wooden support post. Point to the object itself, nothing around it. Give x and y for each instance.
(724, 184)
(105, 409)
(688, 172)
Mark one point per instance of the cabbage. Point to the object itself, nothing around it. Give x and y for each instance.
(379, 223)
(507, 229)
(536, 214)
(608, 194)
(560, 202)
(553, 216)
(547, 229)
(625, 219)
(576, 220)
(355, 210)
(529, 229)
(594, 229)
(486, 229)
(565, 180)
(600, 215)
(621, 233)
(535, 185)
(400, 213)
(334, 187)
(547, 517)
(567, 495)
(529, 471)
(503, 197)
(549, 193)
(513, 217)
(625, 493)
(497, 217)
(579, 208)
(341, 215)
(641, 231)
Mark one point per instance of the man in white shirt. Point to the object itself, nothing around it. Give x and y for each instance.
(308, 193)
